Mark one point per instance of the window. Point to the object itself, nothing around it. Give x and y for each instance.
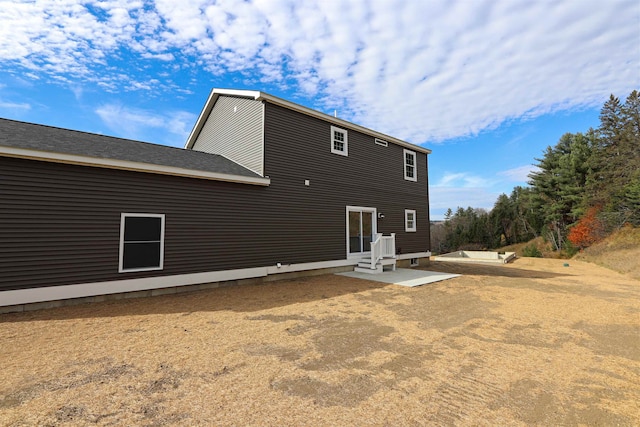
(141, 242)
(382, 142)
(339, 141)
(410, 171)
(409, 220)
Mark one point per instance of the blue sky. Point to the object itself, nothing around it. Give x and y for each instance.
(487, 85)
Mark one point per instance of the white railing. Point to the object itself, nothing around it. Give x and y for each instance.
(382, 247)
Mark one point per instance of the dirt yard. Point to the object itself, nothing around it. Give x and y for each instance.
(533, 342)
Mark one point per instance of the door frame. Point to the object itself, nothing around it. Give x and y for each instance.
(374, 227)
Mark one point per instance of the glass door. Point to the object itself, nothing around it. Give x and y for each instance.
(361, 228)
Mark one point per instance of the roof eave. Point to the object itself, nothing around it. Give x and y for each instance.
(75, 159)
(340, 122)
(208, 106)
(262, 96)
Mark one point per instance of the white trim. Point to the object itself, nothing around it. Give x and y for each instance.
(407, 228)
(345, 141)
(213, 96)
(374, 228)
(415, 165)
(414, 255)
(124, 215)
(75, 159)
(262, 140)
(381, 142)
(290, 268)
(208, 106)
(52, 293)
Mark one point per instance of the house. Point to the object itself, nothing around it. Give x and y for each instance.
(262, 187)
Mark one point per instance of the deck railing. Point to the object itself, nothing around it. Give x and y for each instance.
(382, 247)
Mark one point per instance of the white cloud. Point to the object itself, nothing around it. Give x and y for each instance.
(519, 174)
(14, 105)
(422, 71)
(463, 180)
(443, 198)
(460, 189)
(134, 122)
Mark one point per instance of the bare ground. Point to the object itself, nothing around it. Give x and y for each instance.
(529, 343)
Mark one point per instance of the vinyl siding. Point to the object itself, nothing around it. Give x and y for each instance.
(234, 130)
(60, 223)
(298, 148)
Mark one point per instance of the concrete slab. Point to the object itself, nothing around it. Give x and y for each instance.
(477, 257)
(402, 277)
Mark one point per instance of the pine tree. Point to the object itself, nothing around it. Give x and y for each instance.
(615, 161)
(559, 184)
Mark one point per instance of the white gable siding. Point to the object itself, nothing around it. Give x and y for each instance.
(234, 130)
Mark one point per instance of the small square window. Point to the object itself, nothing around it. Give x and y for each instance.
(410, 170)
(141, 242)
(339, 141)
(409, 220)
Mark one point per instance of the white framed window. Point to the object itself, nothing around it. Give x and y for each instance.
(141, 242)
(410, 169)
(409, 220)
(382, 142)
(339, 141)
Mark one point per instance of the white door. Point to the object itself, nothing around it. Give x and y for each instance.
(361, 228)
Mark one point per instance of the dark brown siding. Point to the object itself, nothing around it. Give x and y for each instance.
(298, 147)
(60, 224)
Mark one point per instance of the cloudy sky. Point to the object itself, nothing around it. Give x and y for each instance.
(487, 85)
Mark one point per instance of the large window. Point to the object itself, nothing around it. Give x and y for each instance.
(410, 170)
(339, 141)
(141, 242)
(409, 220)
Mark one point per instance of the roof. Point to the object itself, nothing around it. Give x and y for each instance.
(262, 96)
(40, 142)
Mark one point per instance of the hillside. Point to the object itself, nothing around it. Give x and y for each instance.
(544, 247)
(619, 252)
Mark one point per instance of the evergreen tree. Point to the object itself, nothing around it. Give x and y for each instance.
(615, 162)
(598, 171)
(559, 184)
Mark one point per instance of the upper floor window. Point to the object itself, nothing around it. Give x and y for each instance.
(339, 141)
(410, 170)
(141, 242)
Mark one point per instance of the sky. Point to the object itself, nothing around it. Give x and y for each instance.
(486, 85)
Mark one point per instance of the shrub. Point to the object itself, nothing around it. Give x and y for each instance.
(531, 251)
(587, 230)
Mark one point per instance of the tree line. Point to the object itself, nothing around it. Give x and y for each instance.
(585, 187)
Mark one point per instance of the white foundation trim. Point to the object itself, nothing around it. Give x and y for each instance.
(52, 293)
(414, 255)
(289, 268)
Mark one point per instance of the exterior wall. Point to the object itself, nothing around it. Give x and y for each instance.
(234, 130)
(60, 223)
(298, 148)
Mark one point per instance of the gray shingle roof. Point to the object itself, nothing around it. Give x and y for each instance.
(31, 136)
